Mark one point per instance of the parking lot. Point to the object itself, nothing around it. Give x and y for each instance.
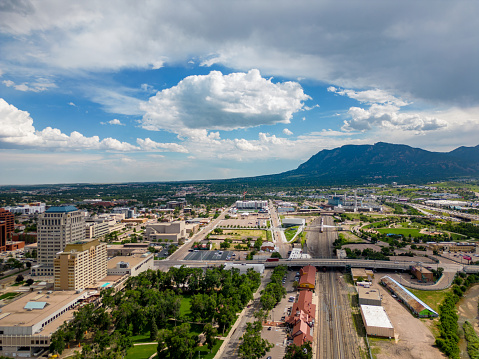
(209, 255)
(277, 337)
(281, 309)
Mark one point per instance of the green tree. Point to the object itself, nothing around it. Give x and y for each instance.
(210, 336)
(252, 345)
(303, 352)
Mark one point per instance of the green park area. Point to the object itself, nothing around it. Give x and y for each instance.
(433, 298)
(238, 234)
(290, 232)
(406, 232)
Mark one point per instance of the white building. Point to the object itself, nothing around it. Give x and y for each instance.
(251, 204)
(243, 267)
(30, 208)
(56, 228)
(131, 265)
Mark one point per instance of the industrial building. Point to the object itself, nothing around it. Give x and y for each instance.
(376, 321)
(417, 306)
(368, 296)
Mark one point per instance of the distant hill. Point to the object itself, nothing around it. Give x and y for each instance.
(381, 162)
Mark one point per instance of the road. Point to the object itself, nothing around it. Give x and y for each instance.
(183, 250)
(278, 236)
(232, 342)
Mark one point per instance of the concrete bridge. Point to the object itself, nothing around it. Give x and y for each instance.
(326, 263)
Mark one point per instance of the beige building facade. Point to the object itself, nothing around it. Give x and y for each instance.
(56, 228)
(80, 265)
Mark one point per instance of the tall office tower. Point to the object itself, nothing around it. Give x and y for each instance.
(56, 228)
(9, 219)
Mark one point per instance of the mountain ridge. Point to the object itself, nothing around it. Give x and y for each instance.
(380, 162)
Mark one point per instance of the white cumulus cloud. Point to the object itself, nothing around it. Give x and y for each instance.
(17, 130)
(287, 132)
(222, 102)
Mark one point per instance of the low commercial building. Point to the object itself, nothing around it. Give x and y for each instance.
(376, 321)
(15, 245)
(127, 249)
(291, 222)
(130, 265)
(251, 204)
(362, 274)
(368, 296)
(307, 278)
(463, 247)
(243, 267)
(165, 232)
(26, 324)
(417, 306)
(422, 274)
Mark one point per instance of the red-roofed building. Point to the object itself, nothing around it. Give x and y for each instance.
(303, 314)
(307, 278)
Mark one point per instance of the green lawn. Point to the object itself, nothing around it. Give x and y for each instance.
(205, 353)
(185, 306)
(414, 232)
(433, 298)
(8, 295)
(141, 351)
(141, 338)
(290, 232)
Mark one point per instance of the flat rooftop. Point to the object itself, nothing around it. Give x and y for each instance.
(375, 316)
(368, 293)
(21, 317)
(132, 260)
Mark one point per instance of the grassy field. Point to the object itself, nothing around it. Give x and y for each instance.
(8, 295)
(141, 338)
(141, 351)
(414, 232)
(433, 298)
(205, 353)
(244, 233)
(290, 232)
(185, 305)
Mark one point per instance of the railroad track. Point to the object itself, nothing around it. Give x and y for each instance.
(337, 337)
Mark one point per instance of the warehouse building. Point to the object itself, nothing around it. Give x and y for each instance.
(417, 306)
(369, 296)
(376, 321)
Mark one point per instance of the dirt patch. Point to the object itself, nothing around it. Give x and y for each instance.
(414, 339)
(363, 246)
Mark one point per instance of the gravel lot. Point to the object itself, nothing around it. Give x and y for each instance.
(414, 340)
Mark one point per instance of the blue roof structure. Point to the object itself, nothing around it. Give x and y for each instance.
(35, 305)
(61, 209)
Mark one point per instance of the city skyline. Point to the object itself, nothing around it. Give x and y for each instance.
(159, 92)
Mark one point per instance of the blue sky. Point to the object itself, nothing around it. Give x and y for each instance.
(92, 92)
